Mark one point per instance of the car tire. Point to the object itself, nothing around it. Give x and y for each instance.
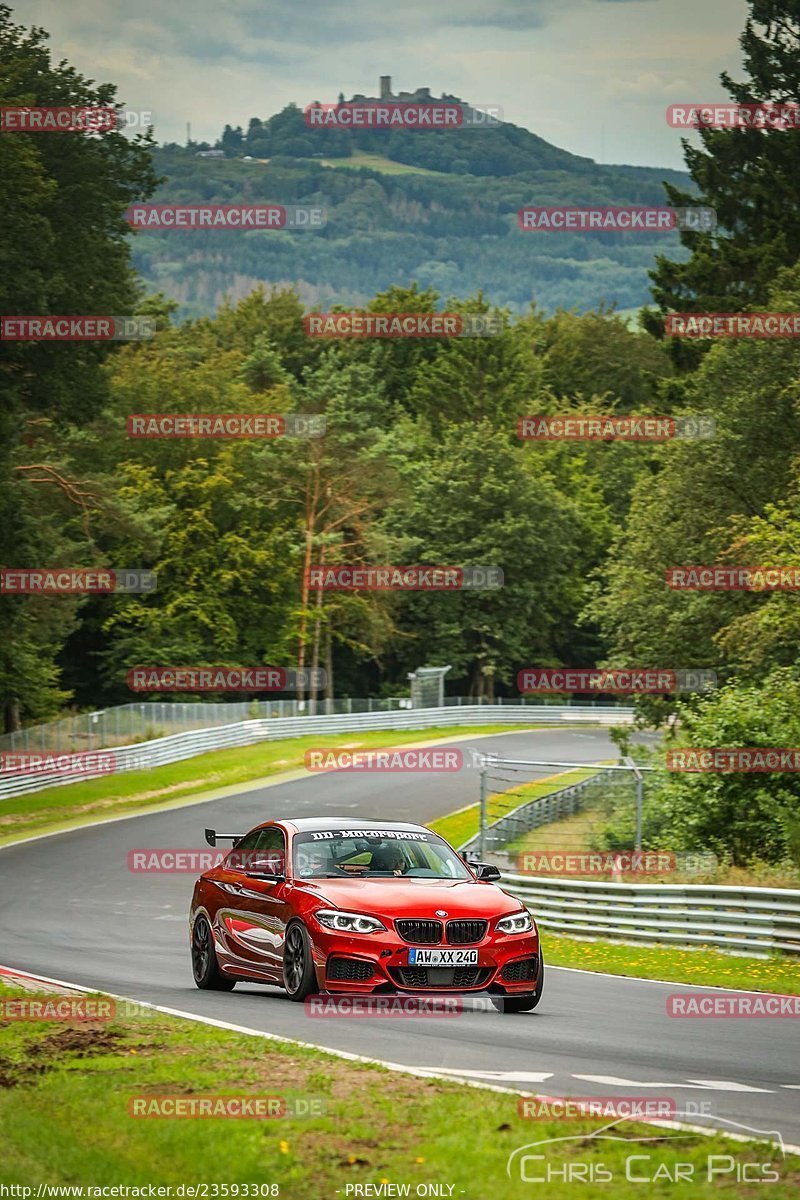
(299, 976)
(524, 1003)
(205, 967)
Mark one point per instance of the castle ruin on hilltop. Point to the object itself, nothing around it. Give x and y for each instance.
(420, 95)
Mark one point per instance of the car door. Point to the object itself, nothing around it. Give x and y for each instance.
(259, 910)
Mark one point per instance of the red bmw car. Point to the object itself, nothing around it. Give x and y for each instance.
(346, 905)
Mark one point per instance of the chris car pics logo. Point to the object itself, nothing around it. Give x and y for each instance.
(608, 1157)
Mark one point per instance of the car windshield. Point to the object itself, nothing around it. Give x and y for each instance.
(379, 854)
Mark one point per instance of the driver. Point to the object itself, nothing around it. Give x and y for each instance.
(388, 857)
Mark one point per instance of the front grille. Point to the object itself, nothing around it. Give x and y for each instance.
(461, 933)
(440, 977)
(522, 971)
(421, 933)
(350, 970)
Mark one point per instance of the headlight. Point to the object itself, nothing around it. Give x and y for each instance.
(521, 922)
(347, 922)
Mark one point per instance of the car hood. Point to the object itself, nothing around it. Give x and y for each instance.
(414, 897)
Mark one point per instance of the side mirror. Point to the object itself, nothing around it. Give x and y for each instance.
(486, 871)
(270, 868)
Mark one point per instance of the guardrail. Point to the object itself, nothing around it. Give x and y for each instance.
(174, 748)
(753, 920)
(124, 724)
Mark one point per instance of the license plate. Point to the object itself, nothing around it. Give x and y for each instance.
(442, 958)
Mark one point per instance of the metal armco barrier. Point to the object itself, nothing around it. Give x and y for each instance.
(752, 920)
(155, 753)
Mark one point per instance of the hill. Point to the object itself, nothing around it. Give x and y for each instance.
(438, 207)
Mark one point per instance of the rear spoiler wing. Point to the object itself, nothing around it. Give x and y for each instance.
(212, 837)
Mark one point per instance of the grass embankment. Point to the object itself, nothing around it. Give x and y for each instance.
(583, 831)
(704, 965)
(65, 1092)
(115, 795)
(458, 827)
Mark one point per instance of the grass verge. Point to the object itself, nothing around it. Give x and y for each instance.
(703, 965)
(65, 1091)
(114, 795)
(584, 831)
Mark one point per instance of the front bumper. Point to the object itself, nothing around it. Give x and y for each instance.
(508, 964)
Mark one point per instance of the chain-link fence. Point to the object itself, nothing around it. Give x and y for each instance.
(589, 827)
(585, 823)
(550, 816)
(526, 811)
(129, 724)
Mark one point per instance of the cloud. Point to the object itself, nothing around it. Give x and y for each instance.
(563, 68)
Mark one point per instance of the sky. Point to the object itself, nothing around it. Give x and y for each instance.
(591, 76)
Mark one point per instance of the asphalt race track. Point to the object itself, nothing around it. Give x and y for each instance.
(70, 909)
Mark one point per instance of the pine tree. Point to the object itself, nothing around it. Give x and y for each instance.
(750, 177)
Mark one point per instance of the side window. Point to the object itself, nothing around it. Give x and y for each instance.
(243, 854)
(271, 851)
(248, 842)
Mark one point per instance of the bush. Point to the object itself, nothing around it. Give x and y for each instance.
(741, 817)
